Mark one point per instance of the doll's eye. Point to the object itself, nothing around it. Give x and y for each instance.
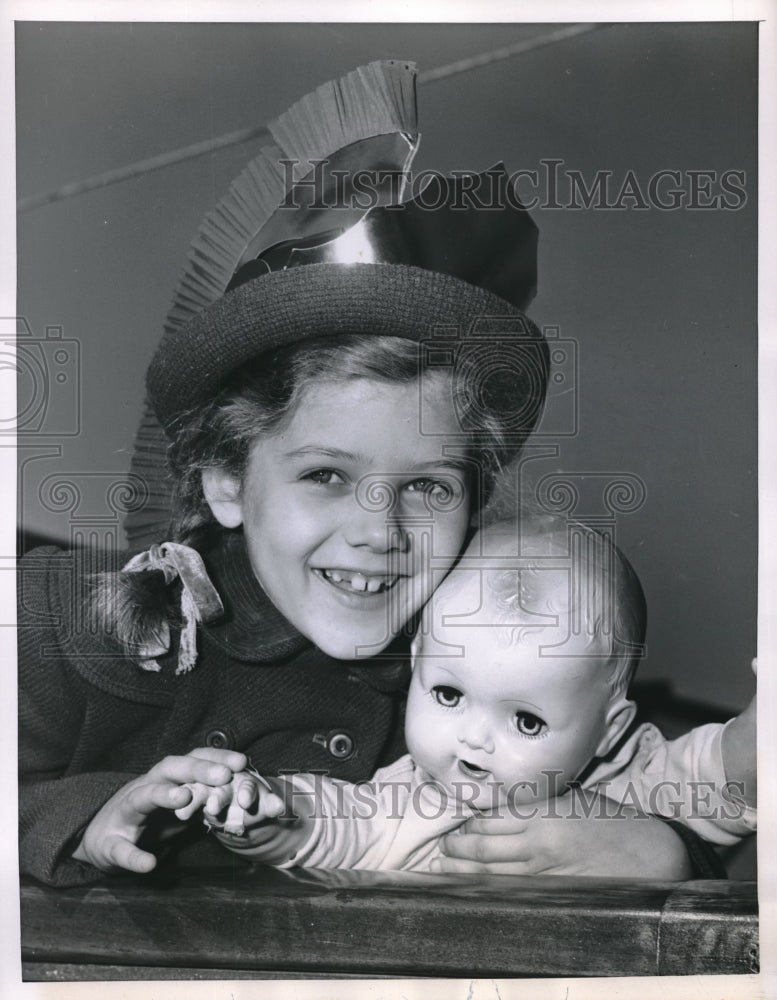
(529, 725)
(324, 477)
(448, 697)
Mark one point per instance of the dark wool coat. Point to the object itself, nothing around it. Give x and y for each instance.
(91, 719)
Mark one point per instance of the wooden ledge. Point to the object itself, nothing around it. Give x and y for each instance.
(260, 922)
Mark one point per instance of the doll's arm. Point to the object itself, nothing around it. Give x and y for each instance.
(569, 836)
(704, 779)
(738, 749)
(313, 821)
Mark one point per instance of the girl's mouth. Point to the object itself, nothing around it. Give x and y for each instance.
(357, 583)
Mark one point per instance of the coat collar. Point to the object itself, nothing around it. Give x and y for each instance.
(252, 627)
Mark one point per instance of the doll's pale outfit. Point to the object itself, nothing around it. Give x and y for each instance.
(395, 820)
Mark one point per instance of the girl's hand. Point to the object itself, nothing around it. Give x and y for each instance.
(110, 840)
(246, 791)
(564, 838)
(738, 748)
(257, 821)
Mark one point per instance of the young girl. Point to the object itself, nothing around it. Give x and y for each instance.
(276, 479)
(338, 399)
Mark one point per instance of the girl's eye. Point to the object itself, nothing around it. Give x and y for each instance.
(448, 697)
(441, 491)
(324, 477)
(529, 725)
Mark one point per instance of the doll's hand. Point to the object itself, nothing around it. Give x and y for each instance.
(559, 838)
(213, 800)
(257, 821)
(247, 798)
(111, 839)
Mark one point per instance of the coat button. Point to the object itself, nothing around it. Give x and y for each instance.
(340, 746)
(220, 739)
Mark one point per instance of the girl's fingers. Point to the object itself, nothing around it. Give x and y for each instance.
(482, 849)
(246, 791)
(122, 853)
(218, 799)
(503, 826)
(146, 797)
(232, 759)
(199, 793)
(246, 804)
(193, 768)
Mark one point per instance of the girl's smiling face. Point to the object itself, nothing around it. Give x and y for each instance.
(351, 512)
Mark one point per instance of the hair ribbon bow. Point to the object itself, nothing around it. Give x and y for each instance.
(199, 600)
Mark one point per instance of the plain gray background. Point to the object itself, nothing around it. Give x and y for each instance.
(660, 305)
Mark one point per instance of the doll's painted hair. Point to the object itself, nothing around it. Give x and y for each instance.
(569, 570)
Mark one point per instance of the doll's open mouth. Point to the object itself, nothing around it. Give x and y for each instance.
(472, 770)
(359, 583)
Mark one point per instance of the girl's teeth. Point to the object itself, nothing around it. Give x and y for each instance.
(358, 582)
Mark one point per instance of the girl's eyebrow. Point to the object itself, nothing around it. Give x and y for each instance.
(339, 454)
(316, 449)
(458, 464)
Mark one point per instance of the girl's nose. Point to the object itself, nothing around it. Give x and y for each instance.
(475, 732)
(374, 530)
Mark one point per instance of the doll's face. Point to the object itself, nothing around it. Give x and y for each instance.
(499, 720)
(343, 509)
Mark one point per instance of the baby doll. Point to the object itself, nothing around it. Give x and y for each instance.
(521, 669)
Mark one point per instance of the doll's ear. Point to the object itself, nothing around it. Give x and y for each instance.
(222, 493)
(620, 715)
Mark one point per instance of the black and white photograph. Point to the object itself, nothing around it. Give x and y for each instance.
(386, 437)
